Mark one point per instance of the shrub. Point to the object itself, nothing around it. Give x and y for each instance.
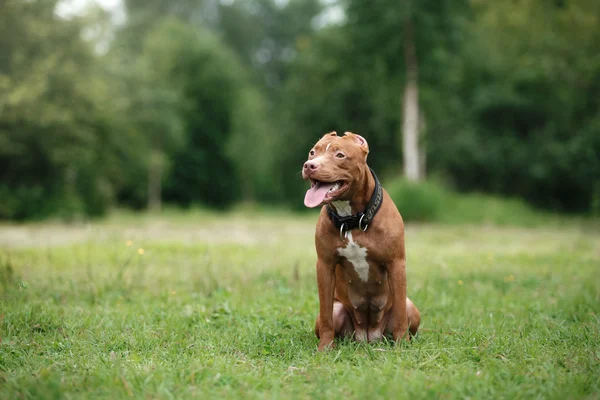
(423, 201)
(430, 201)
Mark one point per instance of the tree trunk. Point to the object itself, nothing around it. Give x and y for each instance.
(410, 124)
(422, 147)
(155, 170)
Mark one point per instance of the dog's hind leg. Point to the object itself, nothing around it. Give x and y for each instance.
(414, 319)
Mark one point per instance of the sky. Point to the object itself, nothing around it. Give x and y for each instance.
(66, 8)
(77, 6)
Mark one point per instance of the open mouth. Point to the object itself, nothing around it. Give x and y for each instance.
(323, 192)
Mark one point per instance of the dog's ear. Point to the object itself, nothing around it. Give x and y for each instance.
(359, 140)
(329, 135)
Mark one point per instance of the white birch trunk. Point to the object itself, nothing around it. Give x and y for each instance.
(410, 120)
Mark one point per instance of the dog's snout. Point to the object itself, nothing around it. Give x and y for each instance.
(310, 166)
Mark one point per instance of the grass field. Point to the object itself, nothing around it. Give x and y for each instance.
(196, 305)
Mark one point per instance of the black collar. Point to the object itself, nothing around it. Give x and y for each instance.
(362, 219)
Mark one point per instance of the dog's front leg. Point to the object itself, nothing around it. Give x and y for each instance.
(326, 285)
(397, 277)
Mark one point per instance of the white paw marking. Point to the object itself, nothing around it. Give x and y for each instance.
(357, 256)
(343, 208)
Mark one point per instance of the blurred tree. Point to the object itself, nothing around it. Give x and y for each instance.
(264, 33)
(508, 92)
(528, 93)
(325, 91)
(410, 43)
(219, 101)
(410, 115)
(208, 78)
(193, 91)
(144, 15)
(59, 149)
(158, 104)
(354, 77)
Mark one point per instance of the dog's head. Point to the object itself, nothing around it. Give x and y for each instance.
(335, 165)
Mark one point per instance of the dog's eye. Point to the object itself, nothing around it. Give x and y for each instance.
(312, 153)
(340, 155)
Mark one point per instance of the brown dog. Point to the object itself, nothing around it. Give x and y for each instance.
(361, 263)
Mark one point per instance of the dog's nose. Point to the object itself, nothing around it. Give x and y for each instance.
(310, 166)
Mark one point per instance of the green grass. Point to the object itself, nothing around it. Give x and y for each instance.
(223, 307)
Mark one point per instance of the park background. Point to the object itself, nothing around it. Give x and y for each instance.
(153, 238)
(215, 103)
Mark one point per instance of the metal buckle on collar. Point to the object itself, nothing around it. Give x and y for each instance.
(360, 223)
(343, 232)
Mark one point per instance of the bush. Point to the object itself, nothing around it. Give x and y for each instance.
(422, 201)
(432, 202)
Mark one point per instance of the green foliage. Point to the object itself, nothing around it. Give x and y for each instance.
(432, 202)
(425, 201)
(59, 151)
(252, 147)
(264, 34)
(529, 123)
(507, 313)
(213, 103)
(220, 113)
(507, 93)
(351, 77)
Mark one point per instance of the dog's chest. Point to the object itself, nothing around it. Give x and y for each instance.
(356, 255)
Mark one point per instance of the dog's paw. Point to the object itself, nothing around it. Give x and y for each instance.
(326, 345)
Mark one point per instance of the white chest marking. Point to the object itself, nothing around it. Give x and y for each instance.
(357, 256)
(343, 208)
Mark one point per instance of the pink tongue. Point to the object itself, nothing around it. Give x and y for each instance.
(316, 194)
